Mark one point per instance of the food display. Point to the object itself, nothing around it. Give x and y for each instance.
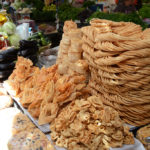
(87, 124)
(118, 56)
(8, 30)
(43, 91)
(100, 82)
(11, 45)
(62, 101)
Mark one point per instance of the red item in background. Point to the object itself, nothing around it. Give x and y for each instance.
(3, 42)
(116, 1)
(79, 1)
(134, 2)
(26, 17)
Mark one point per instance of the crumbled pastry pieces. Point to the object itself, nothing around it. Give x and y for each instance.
(87, 124)
(44, 91)
(65, 90)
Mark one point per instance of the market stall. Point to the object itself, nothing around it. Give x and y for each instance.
(90, 92)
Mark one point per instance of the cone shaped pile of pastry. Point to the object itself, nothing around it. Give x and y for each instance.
(118, 55)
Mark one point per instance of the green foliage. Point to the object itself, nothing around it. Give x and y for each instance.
(51, 7)
(133, 17)
(146, 1)
(144, 12)
(23, 5)
(41, 39)
(43, 15)
(38, 14)
(67, 12)
(88, 3)
(28, 2)
(38, 4)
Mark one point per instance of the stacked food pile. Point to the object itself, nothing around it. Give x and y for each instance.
(87, 124)
(77, 122)
(70, 52)
(118, 60)
(43, 92)
(118, 54)
(20, 133)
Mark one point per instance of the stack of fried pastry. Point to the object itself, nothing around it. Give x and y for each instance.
(70, 52)
(118, 55)
(87, 124)
(43, 91)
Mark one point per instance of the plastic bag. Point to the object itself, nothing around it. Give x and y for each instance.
(23, 31)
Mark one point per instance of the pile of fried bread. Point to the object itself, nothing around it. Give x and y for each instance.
(43, 91)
